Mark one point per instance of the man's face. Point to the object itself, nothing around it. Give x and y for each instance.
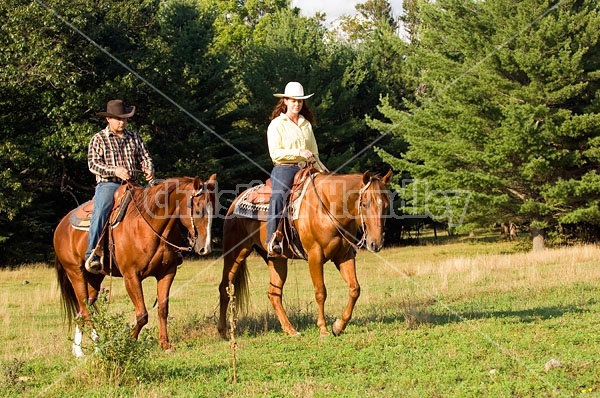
(116, 124)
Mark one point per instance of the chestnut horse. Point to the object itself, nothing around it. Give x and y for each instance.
(145, 243)
(332, 211)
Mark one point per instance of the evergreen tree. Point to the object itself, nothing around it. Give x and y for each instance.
(504, 122)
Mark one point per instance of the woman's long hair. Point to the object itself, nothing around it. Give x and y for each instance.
(282, 108)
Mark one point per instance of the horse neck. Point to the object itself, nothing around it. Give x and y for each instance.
(161, 206)
(342, 192)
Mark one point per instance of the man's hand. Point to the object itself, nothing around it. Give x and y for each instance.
(122, 173)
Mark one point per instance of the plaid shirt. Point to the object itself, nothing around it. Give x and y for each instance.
(107, 151)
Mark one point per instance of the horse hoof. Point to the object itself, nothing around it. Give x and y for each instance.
(336, 328)
(324, 334)
(223, 334)
(169, 350)
(167, 347)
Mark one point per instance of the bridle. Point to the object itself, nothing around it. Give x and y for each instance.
(190, 205)
(363, 224)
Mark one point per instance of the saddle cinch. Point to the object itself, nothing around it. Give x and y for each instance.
(255, 204)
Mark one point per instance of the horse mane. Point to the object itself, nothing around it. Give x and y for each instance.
(376, 177)
(172, 183)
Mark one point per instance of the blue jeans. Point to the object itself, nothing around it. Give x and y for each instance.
(103, 204)
(282, 178)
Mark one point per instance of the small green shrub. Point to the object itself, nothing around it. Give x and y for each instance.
(117, 357)
(10, 381)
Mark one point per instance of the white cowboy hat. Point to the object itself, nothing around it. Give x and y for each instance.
(294, 90)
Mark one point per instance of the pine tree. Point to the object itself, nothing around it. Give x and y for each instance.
(504, 122)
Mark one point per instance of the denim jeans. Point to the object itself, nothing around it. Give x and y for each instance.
(282, 178)
(103, 204)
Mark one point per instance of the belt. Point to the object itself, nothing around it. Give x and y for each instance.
(112, 179)
(299, 164)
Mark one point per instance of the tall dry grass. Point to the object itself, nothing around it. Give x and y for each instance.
(507, 272)
(419, 277)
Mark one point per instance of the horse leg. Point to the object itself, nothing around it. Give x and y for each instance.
(133, 285)
(76, 348)
(85, 292)
(163, 288)
(278, 275)
(223, 303)
(94, 285)
(316, 273)
(348, 271)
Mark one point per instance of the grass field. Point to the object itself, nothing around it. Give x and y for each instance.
(463, 319)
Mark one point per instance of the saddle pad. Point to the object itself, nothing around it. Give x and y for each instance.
(244, 208)
(260, 211)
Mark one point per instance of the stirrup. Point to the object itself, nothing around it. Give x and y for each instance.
(92, 265)
(274, 247)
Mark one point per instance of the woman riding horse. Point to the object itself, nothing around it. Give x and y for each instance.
(330, 215)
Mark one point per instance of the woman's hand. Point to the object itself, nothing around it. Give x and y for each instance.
(305, 153)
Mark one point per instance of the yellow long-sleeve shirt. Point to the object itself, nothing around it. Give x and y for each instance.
(286, 139)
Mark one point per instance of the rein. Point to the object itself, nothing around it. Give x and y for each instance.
(336, 223)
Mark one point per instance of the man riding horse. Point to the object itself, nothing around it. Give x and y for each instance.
(113, 156)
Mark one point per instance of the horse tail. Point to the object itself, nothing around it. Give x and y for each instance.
(69, 299)
(240, 283)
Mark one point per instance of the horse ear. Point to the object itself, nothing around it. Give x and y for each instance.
(197, 184)
(212, 181)
(366, 177)
(386, 178)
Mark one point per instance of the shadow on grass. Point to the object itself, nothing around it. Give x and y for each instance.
(417, 316)
(412, 317)
(443, 240)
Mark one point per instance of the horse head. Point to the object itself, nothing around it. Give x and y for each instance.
(374, 204)
(201, 209)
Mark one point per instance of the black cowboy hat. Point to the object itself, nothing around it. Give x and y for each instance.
(116, 108)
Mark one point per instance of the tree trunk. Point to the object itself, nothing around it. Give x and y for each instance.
(538, 239)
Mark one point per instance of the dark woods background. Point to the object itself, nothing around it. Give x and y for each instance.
(497, 99)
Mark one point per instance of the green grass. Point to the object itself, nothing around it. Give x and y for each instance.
(464, 319)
